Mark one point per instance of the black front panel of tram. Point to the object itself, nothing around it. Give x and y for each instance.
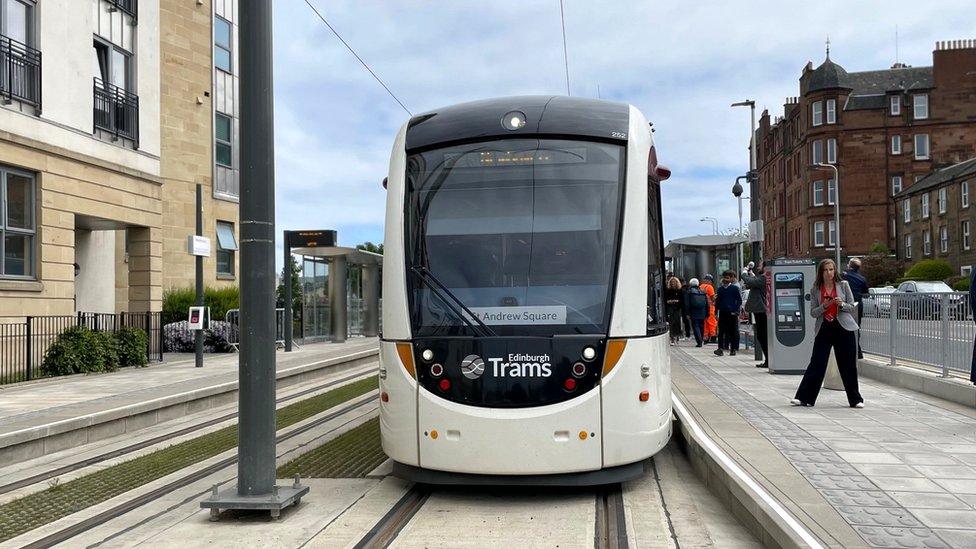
(509, 372)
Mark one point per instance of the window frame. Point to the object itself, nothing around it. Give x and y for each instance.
(831, 233)
(818, 230)
(964, 231)
(31, 233)
(831, 111)
(894, 105)
(816, 150)
(219, 249)
(896, 144)
(831, 150)
(917, 105)
(943, 239)
(943, 199)
(831, 191)
(818, 186)
(908, 246)
(30, 24)
(229, 48)
(229, 143)
(816, 113)
(928, 146)
(901, 183)
(926, 211)
(927, 242)
(964, 194)
(129, 61)
(908, 210)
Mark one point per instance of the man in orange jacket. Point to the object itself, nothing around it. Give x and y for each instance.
(711, 323)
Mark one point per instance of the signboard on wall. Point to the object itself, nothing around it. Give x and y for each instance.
(198, 245)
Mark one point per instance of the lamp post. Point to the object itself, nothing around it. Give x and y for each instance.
(737, 193)
(822, 166)
(753, 206)
(714, 223)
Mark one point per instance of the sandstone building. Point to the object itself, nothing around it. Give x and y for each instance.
(884, 130)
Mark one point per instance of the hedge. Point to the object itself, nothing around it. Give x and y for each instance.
(929, 269)
(79, 350)
(177, 302)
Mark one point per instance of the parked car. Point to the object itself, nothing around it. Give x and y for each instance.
(919, 299)
(878, 301)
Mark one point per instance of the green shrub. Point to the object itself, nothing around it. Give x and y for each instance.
(80, 350)
(881, 270)
(961, 285)
(131, 347)
(177, 302)
(929, 269)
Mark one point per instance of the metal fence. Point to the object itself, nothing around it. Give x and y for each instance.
(24, 344)
(20, 72)
(233, 317)
(935, 329)
(116, 111)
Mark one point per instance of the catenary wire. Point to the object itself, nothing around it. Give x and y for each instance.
(562, 20)
(348, 47)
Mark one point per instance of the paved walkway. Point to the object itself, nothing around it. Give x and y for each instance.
(899, 473)
(49, 401)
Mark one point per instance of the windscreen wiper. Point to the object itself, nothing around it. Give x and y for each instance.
(452, 301)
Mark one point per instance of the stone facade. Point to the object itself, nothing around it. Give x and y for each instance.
(867, 125)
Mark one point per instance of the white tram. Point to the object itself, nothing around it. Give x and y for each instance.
(524, 337)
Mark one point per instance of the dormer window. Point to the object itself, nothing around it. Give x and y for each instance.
(920, 103)
(895, 103)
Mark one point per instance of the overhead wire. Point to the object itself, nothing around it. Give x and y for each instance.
(366, 66)
(562, 20)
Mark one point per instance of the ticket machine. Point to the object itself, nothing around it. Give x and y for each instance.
(790, 326)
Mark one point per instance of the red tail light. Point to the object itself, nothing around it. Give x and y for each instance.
(644, 396)
(444, 384)
(384, 396)
(569, 384)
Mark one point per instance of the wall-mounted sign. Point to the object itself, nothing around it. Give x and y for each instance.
(199, 318)
(198, 245)
(311, 239)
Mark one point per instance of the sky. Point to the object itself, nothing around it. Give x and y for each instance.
(681, 63)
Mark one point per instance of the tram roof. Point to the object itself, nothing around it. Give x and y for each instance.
(554, 115)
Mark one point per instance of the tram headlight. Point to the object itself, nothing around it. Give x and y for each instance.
(513, 120)
(427, 355)
(589, 353)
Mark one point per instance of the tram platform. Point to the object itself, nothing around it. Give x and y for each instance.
(899, 473)
(50, 415)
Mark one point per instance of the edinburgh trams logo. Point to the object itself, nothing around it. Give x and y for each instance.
(472, 367)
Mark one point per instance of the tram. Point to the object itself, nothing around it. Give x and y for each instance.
(524, 338)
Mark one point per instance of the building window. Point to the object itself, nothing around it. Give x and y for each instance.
(908, 210)
(895, 144)
(818, 234)
(944, 239)
(908, 246)
(18, 226)
(20, 63)
(965, 235)
(222, 44)
(831, 151)
(831, 232)
(920, 103)
(925, 206)
(113, 65)
(964, 194)
(831, 111)
(223, 148)
(895, 102)
(816, 152)
(966, 270)
(226, 248)
(922, 146)
(895, 184)
(926, 242)
(817, 107)
(818, 193)
(831, 191)
(942, 200)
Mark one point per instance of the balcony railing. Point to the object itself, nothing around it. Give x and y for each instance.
(117, 111)
(128, 6)
(20, 72)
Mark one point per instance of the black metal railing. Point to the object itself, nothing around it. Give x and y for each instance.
(128, 6)
(20, 72)
(24, 344)
(116, 111)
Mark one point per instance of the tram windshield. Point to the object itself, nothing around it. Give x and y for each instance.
(513, 237)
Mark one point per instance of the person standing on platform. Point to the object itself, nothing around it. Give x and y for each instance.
(859, 285)
(685, 319)
(696, 305)
(972, 309)
(674, 305)
(728, 301)
(756, 306)
(711, 323)
(832, 304)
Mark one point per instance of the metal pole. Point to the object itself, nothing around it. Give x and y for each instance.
(944, 316)
(836, 215)
(198, 336)
(286, 279)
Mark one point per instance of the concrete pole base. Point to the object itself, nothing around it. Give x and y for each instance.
(278, 499)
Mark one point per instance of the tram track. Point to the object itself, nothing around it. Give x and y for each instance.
(135, 447)
(385, 530)
(67, 533)
(611, 520)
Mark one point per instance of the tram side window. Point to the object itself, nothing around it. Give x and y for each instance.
(656, 323)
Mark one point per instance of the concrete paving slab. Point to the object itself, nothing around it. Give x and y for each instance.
(929, 500)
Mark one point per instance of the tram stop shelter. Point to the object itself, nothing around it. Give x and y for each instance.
(319, 250)
(695, 256)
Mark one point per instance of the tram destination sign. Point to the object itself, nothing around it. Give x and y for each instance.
(311, 239)
(521, 315)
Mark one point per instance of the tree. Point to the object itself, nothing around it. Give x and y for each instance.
(296, 289)
(370, 247)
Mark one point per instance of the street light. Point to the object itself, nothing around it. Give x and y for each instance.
(737, 193)
(822, 166)
(714, 223)
(753, 207)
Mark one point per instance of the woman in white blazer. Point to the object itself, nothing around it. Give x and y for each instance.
(834, 308)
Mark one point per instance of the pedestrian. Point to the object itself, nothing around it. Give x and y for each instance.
(696, 304)
(685, 319)
(859, 285)
(756, 306)
(711, 323)
(833, 306)
(972, 308)
(728, 301)
(674, 305)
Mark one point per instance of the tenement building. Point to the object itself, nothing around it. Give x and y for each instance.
(935, 217)
(111, 112)
(883, 131)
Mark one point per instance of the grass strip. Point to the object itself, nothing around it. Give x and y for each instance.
(352, 454)
(60, 500)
